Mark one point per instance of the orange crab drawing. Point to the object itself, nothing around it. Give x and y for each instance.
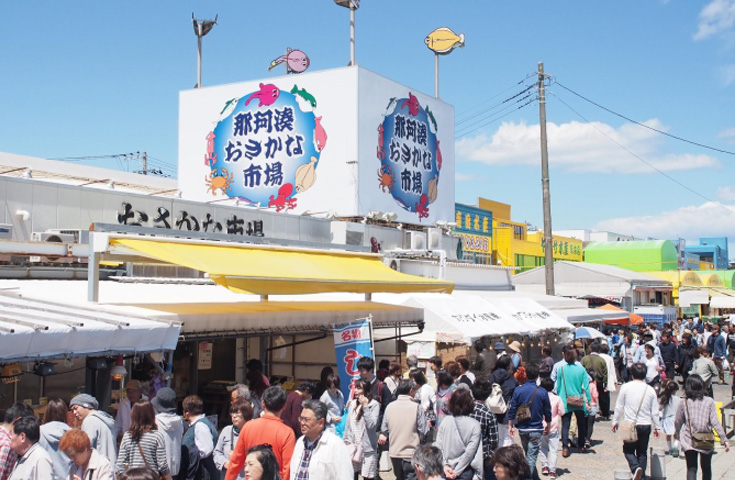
(385, 177)
(219, 179)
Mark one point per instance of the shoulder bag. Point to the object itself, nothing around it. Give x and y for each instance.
(627, 430)
(160, 477)
(523, 412)
(700, 440)
(572, 400)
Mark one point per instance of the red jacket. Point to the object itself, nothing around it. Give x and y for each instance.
(266, 429)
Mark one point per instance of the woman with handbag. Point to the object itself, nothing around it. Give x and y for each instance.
(501, 376)
(695, 419)
(573, 387)
(143, 445)
(360, 431)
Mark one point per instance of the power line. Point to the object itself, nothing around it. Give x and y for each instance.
(636, 156)
(494, 119)
(495, 106)
(643, 124)
(522, 99)
(480, 104)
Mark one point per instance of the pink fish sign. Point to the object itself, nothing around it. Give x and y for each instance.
(296, 61)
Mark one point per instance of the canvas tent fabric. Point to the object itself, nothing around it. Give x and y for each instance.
(271, 270)
(466, 316)
(33, 329)
(634, 319)
(722, 298)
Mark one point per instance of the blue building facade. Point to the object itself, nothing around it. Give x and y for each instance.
(712, 249)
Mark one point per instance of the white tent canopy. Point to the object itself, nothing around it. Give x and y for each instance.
(33, 329)
(465, 316)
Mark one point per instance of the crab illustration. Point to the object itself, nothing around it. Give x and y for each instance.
(385, 177)
(422, 207)
(283, 200)
(219, 178)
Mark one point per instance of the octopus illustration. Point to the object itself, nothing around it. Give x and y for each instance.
(267, 95)
(284, 198)
(422, 206)
(385, 177)
(413, 104)
(218, 179)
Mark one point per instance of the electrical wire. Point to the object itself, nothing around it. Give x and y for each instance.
(495, 106)
(638, 157)
(457, 137)
(643, 124)
(479, 105)
(520, 100)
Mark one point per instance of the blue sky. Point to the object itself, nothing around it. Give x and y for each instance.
(93, 78)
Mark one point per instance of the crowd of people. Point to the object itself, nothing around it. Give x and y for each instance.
(461, 421)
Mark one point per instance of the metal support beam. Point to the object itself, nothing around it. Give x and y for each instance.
(299, 342)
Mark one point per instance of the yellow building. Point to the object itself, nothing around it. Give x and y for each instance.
(513, 246)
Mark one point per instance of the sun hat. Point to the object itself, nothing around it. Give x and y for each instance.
(515, 346)
(165, 400)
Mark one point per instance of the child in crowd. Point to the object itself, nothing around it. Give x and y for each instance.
(550, 440)
(669, 405)
(592, 408)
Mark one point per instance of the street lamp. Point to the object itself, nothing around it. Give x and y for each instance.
(352, 5)
(201, 28)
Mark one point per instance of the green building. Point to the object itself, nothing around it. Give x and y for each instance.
(637, 256)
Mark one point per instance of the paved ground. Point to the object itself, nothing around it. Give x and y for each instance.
(606, 455)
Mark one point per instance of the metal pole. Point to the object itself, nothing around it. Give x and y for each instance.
(145, 163)
(436, 75)
(549, 263)
(199, 55)
(352, 35)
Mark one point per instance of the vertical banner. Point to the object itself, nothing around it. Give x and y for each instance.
(351, 342)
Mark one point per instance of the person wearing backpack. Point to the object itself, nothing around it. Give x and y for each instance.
(507, 383)
(529, 407)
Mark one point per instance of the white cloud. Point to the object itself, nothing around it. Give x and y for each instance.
(708, 219)
(466, 177)
(579, 147)
(727, 135)
(716, 17)
(726, 194)
(726, 74)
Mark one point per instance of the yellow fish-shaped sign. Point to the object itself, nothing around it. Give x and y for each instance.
(443, 40)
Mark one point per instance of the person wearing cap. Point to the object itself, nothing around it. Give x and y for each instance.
(133, 393)
(515, 357)
(97, 424)
(171, 425)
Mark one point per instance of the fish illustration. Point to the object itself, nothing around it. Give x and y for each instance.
(430, 114)
(306, 175)
(267, 94)
(296, 61)
(390, 102)
(228, 103)
(320, 135)
(443, 40)
(432, 192)
(304, 94)
(413, 104)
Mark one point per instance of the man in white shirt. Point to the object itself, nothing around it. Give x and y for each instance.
(133, 393)
(319, 453)
(637, 402)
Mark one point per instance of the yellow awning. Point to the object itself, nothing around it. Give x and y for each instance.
(273, 270)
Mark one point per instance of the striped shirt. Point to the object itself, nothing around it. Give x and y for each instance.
(152, 444)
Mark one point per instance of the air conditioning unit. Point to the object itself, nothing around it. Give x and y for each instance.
(52, 237)
(434, 237)
(417, 240)
(6, 231)
(80, 236)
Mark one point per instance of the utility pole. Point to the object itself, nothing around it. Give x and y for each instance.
(548, 241)
(145, 163)
(201, 28)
